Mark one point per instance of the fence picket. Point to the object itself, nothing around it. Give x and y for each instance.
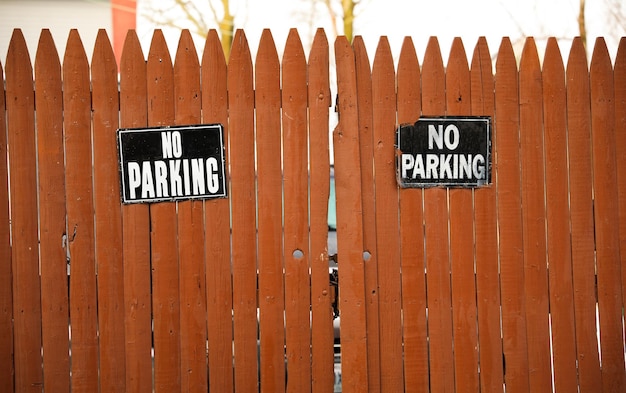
(25, 251)
(486, 232)
(386, 194)
(217, 228)
(269, 172)
(6, 284)
(366, 143)
(163, 230)
(463, 285)
(581, 217)
(411, 228)
(80, 220)
(557, 214)
(533, 219)
(51, 181)
(243, 202)
(296, 239)
(606, 212)
(436, 238)
(514, 339)
(136, 232)
(193, 337)
(319, 98)
(619, 77)
(349, 225)
(109, 251)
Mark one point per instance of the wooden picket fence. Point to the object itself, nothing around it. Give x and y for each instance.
(518, 286)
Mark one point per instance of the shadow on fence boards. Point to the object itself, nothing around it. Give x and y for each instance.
(516, 286)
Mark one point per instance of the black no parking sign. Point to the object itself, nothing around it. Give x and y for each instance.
(172, 163)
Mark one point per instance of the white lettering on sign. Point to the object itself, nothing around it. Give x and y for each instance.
(173, 178)
(172, 144)
(438, 136)
(443, 166)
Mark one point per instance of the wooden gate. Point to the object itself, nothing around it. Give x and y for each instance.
(518, 285)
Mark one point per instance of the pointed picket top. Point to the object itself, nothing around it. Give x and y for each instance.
(47, 55)
(131, 52)
(383, 60)
(482, 79)
(267, 48)
(408, 83)
(553, 62)
(577, 59)
(103, 53)
(18, 58)
(75, 55)
(186, 51)
(293, 48)
(213, 53)
(620, 58)
(529, 61)
(433, 79)
(458, 80)
(506, 56)
(158, 52)
(319, 48)
(600, 59)
(239, 54)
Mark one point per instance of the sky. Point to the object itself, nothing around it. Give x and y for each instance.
(394, 19)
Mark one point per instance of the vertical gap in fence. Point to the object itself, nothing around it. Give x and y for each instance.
(270, 197)
(349, 225)
(136, 230)
(51, 180)
(366, 140)
(387, 218)
(436, 236)
(80, 236)
(296, 232)
(619, 77)
(163, 225)
(514, 340)
(606, 218)
(217, 228)
(533, 218)
(581, 217)
(25, 247)
(463, 284)
(319, 162)
(486, 236)
(109, 250)
(193, 336)
(557, 213)
(415, 336)
(243, 200)
(6, 290)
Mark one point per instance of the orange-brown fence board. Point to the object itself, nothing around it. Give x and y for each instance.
(136, 233)
(581, 217)
(108, 216)
(619, 77)
(271, 290)
(243, 202)
(486, 233)
(441, 360)
(27, 316)
(6, 301)
(51, 180)
(463, 285)
(319, 100)
(366, 143)
(558, 240)
(80, 238)
(517, 285)
(412, 228)
(217, 229)
(606, 217)
(514, 338)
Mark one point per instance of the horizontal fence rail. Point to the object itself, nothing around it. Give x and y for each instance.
(518, 286)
